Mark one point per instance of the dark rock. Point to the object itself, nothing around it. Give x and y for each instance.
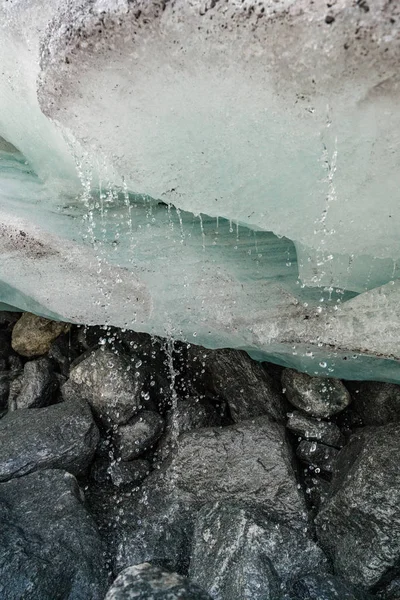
(312, 429)
(33, 335)
(359, 524)
(62, 436)
(63, 351)
(110, 383)
(129, 473)
(391, 591)
(5, 346)
(318, 455)
(250, 461)
(146, 581)
(378, 403)
(4, 388)
(242, 382)
(38, 385)
(316, 396)
(239, 552)
(49, 546)
(316, 490)
(142, 431)
(324, 587)
(7, 318)
(185, 416)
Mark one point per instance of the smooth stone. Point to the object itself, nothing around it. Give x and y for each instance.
(146, 581)
(62, 436)
(359, 524)
(239, 552)
(316, 396)
(38, 385)
(33, 335)
(241, 382)
(317, 455)
(111, 385)
(324, 587)
(378, 403)
(49, 544)
(311, 429)
(140, 434)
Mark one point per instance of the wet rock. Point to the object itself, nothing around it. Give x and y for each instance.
(5, 347)
(33, 335)
(242, 382)
(146, 581)
(317, 455)
(378, 403)
(250, 461)
(239, 552)
(324, 587)
(359, 524)
(4, 388)
(316, 396)
(390, 591)
(63, 351)
(185, 416)
(111, 385)
(316, 490)
(62, 436)
(7, 318)
(36, 387)
(49, 544)
(129, 473)
(141, 433)
(311, 429)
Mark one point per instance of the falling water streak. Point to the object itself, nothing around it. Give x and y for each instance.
(178, 212)
(128, 206)
(203, 235)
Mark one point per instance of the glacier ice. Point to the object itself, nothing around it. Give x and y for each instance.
(222, 172)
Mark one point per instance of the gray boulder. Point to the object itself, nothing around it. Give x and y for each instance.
(312, 429)
(317, 455)
(110, 383)
(142, 431)
(49, 545)
(129, 473)
(36, 387)
(241, 382)
(62, 436)
(146, 581)
(378, 403)
(239, 552)
(316, 396)
(359, 524)
(324, 587)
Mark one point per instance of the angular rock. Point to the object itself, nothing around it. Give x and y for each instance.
(324, 587)
(33, 335)
(146, 581)
(142, 431)
(378, 403)
(359, 524)
(49, 545)
(250, 461)
(311, 429)
(242, 382)
(38, 385)
(318, 455)
(316, 396)
(62, 436)
(185, 416)
(316, 490)
(111, 385)
(239, 552)
(63, 351)
(129, 473)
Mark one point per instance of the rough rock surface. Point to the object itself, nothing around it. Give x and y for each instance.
(142, 431)
(316, 396)
(33, 335)
(63, 436)
(110, 384)
(250, 461)
(243, 383)
(324, 587)
(49, 545)
(38, 385)
(378, 403)
(239, 552)
(129, 473)
(359, 524)
(318, 455)
(312, 429)
(146, 581)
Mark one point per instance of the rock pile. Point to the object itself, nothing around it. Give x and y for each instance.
(169, 472)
